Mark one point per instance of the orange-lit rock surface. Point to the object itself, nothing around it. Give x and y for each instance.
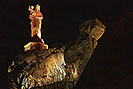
(55, 68)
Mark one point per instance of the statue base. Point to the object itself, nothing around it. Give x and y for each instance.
(35, 45)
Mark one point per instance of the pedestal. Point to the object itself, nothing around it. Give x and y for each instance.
(35, 45)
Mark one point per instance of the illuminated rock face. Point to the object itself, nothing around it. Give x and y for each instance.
(39, 67)
(55, 68)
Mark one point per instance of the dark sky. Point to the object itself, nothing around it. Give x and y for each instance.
(110, 66)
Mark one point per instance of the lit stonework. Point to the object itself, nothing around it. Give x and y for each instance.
(36, 21)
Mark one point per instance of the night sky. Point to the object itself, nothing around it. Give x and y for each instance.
(111, 64)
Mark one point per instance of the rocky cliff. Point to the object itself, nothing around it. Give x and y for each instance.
(55, 68)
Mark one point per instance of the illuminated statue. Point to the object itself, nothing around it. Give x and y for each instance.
(36, 18)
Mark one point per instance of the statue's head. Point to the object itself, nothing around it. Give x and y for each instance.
(37, 7)
(32, 7)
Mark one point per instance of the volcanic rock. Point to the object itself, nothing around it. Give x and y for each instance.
(55, 68)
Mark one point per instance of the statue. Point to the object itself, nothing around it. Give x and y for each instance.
(36, 41)
(36, 18)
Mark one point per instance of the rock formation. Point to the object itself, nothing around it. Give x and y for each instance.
(55, 68)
